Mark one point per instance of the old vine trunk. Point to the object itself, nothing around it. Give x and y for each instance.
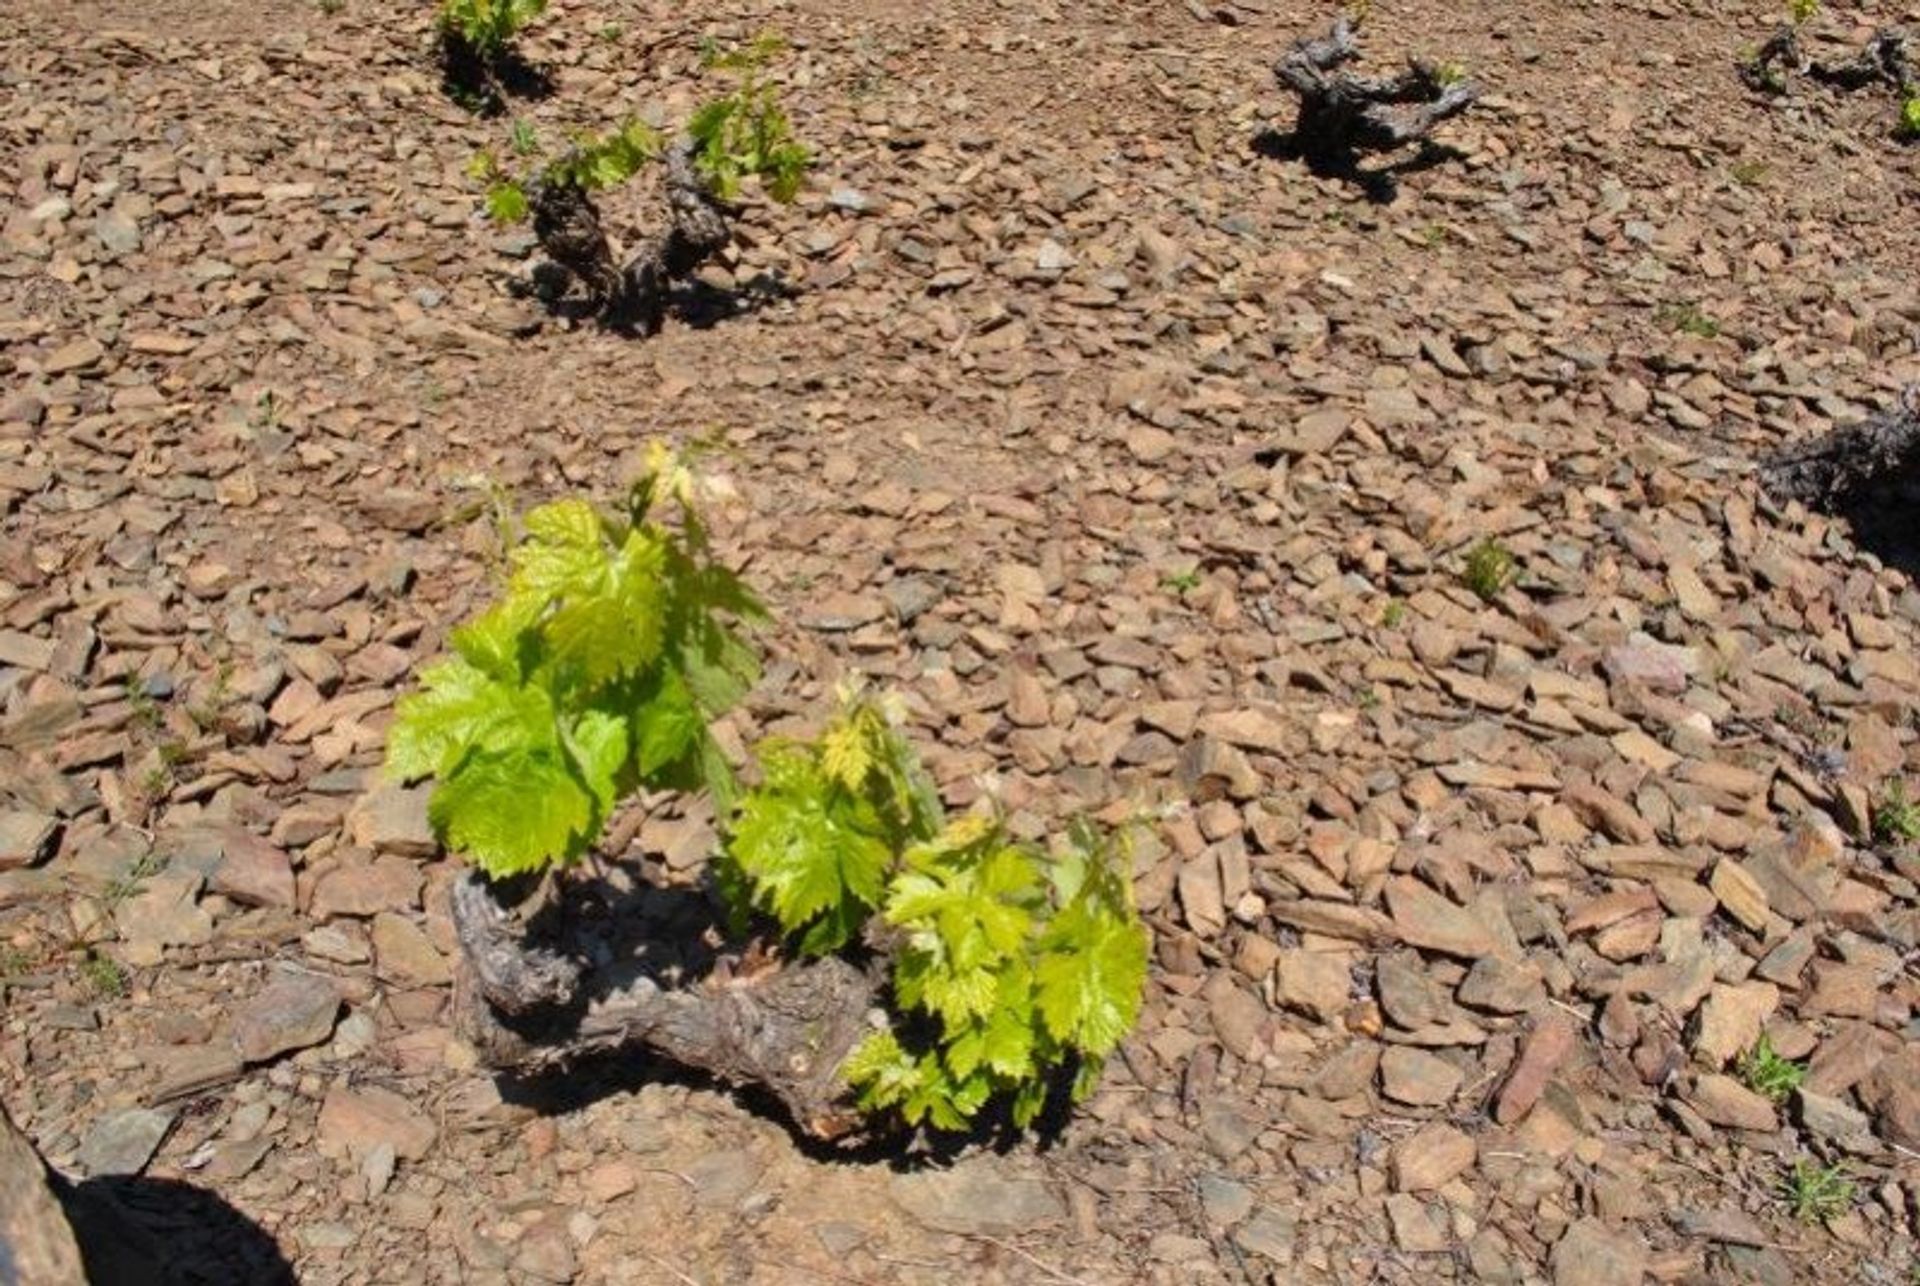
(537, 991)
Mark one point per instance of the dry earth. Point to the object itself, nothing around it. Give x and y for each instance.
(1146, 467)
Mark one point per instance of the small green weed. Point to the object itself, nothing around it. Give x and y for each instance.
(522, 139)
(1181, 582)
(1394, 615)
(145, 713)
(128, 885)
(1815, 1193)
(1896, 818)
(1687, 319)
(1450, 73)
(1768, 1074)
(1802, 10)
(611, 32)
(1368, 698)
(1489, 570)
(13, 961)
(1750, 174)
(103, 976)
(1910, 118)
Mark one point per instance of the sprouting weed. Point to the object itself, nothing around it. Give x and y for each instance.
(1815, 1193)
(1490, 569)
(1896, 818)
(1768, 1074)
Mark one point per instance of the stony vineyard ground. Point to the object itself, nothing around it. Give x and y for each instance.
(1146, 467)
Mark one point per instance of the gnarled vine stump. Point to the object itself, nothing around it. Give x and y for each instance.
(1848, 465)
(1342, 115)
(1882, 60)
(536, 991)
(632, 295)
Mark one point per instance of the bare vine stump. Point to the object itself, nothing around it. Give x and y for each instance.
(1866, 473)
(1840, 469)
(1883, 60)
(633, 295)
(537, 990)
(1342, 115)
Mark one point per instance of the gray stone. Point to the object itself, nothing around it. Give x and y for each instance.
(1268, 1233)
(25, 838)
(124, 1142)
(393, 819)
(976, 1196)
(1596, 1253)
(295, 1010)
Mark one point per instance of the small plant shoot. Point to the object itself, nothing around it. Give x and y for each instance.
(596, 673)
(481, 62)
(488, 27)
(740, 136)
(1490, 568)
(1011, 962)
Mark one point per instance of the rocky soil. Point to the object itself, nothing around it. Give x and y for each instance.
(1147, 467)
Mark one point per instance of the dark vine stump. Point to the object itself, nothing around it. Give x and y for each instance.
(1867, 473)
(633, 295)
(1342, 115)
(539, 988)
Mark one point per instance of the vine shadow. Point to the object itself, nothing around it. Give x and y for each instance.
(1380, 185)
(485, 84)
(138, 1231)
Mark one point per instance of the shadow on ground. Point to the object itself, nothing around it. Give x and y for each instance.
(1379, 184)
(135, 1231)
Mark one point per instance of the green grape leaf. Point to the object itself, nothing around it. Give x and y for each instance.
(513, 812)
(607, 623)
(458, 709)
(1089, 979)
(670, 725)
(507, 202)
(600, 746)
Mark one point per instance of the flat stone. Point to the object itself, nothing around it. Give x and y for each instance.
(1417, 1077)
(1417, 1227)
(1739, 894)
(1725, 1101)
(1425, 919)
(1258, 728)
(1502, 987)
(1835, 1121)
(403, 954)
(393, 819)
(26, 838)
(354, 1121)
(1594, 1252)
(124, 1142)
(843, 613)
(360, 887)
(978, 1196)
(295, 1010)
(36, 1242)
(1268, 1233)
(76, 355)
(1432, 1157)
(1730, 1020)
(1546, 1047)
(1317, 983)
(253, 872)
